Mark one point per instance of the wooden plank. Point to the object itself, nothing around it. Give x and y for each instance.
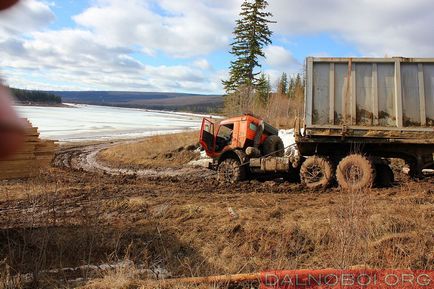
(28, 149)
(309, 92)
(5, 165)
(23, 156)
(25, 172)
(375, 94)
(19, 173)
(398, 94)
(33, 155)
(353, 96)
(421, 79)
(332, 93)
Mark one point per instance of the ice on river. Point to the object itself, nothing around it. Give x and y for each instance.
(91, 122)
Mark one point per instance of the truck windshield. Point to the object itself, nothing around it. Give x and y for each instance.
(225, 131)
(224, 137)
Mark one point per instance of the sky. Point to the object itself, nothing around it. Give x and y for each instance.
(183, 45)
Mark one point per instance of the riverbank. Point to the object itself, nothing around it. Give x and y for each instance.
(41, 104)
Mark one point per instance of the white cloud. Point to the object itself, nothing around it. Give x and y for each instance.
(277, 57)
(178, 28)
(392, 27)
(26, 16)
(202, 64)
(74, 60)
(92, 56)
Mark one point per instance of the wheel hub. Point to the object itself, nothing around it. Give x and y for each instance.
(228, 173)
(314, 174)
(354, 174)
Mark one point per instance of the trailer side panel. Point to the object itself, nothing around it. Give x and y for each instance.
(370, 94)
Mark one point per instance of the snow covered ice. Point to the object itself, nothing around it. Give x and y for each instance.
(91, 122)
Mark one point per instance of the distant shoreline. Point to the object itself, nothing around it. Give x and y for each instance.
(167, 110)
(164, 101)
(17, 103)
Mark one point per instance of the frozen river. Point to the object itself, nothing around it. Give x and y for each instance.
(91, 122)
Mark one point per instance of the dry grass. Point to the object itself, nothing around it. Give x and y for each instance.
(171, 150)
(28, 188)
(376, 229)
(117, 278)
(191, 227)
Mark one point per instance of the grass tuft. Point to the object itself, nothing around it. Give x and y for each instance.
(160, 151)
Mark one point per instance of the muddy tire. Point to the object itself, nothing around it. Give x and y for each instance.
(316, 172)
(229, 171)
(384, 176)
(273, 146)
(355, 172)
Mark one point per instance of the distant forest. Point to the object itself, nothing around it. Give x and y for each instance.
(207, 108)
(198, 103)
(35, 96)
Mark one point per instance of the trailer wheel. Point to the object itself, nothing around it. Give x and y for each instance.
(355, 172)
(384, 176)
(230, 171)
(273, 145)
(316, 172)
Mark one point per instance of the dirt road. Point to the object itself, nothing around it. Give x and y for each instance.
(85, 158)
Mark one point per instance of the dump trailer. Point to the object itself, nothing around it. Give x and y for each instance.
(361, 111)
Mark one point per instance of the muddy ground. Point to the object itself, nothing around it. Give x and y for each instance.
(83, 222)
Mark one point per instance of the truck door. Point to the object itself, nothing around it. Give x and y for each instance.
(207, 135)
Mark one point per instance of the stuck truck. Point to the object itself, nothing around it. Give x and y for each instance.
(359, 112)
(243, 145)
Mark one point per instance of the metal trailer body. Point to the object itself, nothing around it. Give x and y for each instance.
(380, 107)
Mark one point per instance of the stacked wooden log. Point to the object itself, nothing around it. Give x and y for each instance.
(33, 155)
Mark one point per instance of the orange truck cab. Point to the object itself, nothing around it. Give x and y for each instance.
(234, 133)
(243, 145)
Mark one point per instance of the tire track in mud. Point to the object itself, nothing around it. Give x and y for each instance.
(85, 158)
(97, 183)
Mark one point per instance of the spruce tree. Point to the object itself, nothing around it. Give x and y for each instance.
(291, 88)
(251, 35)
(263, 89)
(299, 86)
(282, 86)
(298, 81)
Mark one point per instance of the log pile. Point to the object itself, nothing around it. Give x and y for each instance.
(33, 155)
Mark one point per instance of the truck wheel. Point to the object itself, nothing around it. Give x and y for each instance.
(316, 172)
(273, 145)
(355, 172)
(384, 176)
(230, 171)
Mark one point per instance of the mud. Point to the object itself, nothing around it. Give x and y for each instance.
(82, 212)
(86, 159)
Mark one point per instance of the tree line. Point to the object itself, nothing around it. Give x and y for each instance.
(35, 96)
(247, 89)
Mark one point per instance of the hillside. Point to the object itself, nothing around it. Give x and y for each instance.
(151, 100)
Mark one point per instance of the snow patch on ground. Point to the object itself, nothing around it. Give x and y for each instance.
(287, 136)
